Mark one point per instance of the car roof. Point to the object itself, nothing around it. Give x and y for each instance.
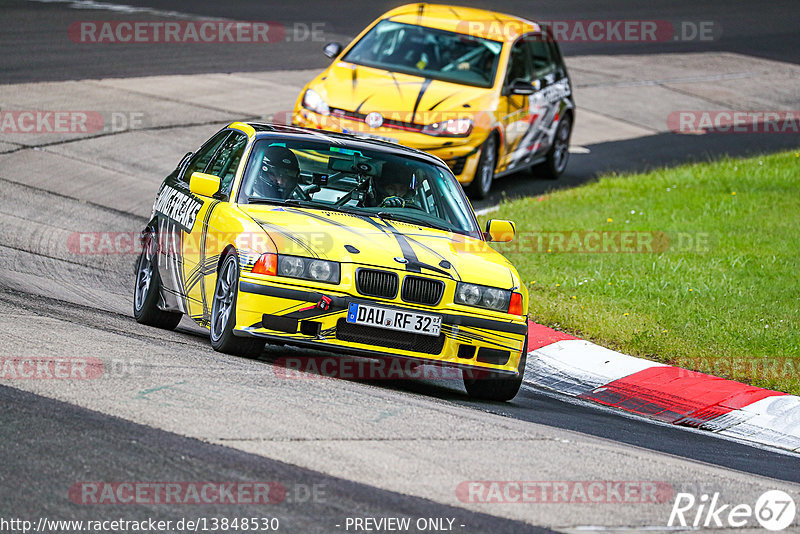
(467, 20)
(267, 130)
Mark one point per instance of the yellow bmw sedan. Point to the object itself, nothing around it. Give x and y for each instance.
(277, 234)
(487, 93)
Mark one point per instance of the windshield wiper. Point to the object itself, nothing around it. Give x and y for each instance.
(411, 220)
(290, 201)
(261, 200)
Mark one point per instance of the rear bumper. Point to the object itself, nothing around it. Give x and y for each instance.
(295, 316)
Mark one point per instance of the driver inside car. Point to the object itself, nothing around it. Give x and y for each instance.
(279, 174)
(396, 186)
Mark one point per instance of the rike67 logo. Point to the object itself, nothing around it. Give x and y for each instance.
(774, 510)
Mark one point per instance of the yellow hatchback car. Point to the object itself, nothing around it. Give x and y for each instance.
(487, 93)
(286, 235)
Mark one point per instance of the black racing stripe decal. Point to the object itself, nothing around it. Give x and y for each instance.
(209, 211)
(429, 249)
(173, 261)
(354, 76)
(289, 293)
(288, 235)
(327, 219)
(469, 336)
(396, 84)
(358, 109)
(442, 100)
(208, 266)
(422, 90)
(371, 221)
(412, 262)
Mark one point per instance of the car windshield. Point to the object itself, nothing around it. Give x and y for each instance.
(428, 52)
(365, 182)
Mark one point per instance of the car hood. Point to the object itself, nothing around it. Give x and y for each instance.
(395, 95)
(371, 241)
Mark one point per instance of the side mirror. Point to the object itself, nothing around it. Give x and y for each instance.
(500, 231)
(205, 185)
(333, 49)
(521, 87)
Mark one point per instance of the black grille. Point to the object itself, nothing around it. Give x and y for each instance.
(422, 290)
(381, 337)
(466, 352)
(457, 165)
(377, 283)
(387, 123)
(493, 356)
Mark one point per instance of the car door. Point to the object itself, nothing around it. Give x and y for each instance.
(177, 211)
(215, 227)
(544, 104)
(514, 108)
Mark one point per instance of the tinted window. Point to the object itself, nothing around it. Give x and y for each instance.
(519, 67)
(541, 55)
(226, 160)
(201, 160)
(366, 182)
(428, 52)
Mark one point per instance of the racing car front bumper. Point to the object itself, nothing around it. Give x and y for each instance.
(292, 315)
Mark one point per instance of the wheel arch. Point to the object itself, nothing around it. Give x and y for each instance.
(227, 250)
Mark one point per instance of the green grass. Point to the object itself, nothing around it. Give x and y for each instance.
(729, 306)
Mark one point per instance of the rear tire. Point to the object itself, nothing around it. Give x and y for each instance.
(492, 386)
(484, 175)
(147, 291)
(223, 312)
(557, 157)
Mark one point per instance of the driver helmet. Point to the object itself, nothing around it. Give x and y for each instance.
(279, 168)
(397, 179)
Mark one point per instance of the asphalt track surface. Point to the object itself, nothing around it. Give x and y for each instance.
(48, 445)
(36, 45)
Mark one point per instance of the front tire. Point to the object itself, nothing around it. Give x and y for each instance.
(491, 386)
(556, 160)
(146, 293)
(484, 174)
(223, 312)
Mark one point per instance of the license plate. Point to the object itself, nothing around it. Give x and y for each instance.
(403, 321)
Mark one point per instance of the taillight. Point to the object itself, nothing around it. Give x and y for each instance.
(515, 305)
(266, 264)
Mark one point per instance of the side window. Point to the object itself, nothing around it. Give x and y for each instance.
(203, 156)
(541, 54)
(519, 67)
(557, 58)
(226, 161)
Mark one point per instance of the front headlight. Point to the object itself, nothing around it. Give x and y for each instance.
(491, 298)
(314, 102)
(449, 128)
(308, 269)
